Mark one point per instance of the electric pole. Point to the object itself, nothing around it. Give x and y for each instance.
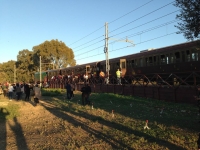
(106, 49)
(106, 52)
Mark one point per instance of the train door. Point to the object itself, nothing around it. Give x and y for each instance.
(87, 70)
(98, 65)
(123, 66)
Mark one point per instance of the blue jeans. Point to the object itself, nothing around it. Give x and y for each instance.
(10, 95)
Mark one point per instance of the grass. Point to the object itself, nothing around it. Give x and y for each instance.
(172, 125)
(116, 122)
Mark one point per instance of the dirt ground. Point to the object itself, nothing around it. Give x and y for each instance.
(48, 127)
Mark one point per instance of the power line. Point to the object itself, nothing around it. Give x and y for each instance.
(146, 23)
(142, 16)
(126, 46)
(109, 23)
(130, 12)
(149, 29)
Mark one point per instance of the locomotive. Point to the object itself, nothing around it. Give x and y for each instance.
(169, 65)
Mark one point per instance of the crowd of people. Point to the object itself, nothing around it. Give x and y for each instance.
(22, 91)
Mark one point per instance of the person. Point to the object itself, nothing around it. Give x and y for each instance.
(18, 91)
(5, 89)
(102, 76)
(118, 74)
(10, 92)
(37, 94)
(86, 92)
(72, 90)
(27, 92)
(68, 89)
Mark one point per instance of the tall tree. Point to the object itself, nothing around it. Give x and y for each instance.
(8, 70)
(54, 52)
(25, 66)
(189, 18)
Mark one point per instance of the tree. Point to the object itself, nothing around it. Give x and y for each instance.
(25, 66)
(7, 70)
(54, 52)
(189, 17)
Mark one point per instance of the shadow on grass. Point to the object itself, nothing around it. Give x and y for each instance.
(101, 136)
(3, 138)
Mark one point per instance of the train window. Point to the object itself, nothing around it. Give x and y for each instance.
(132, 63)
(88, 68)
(177, 56)
(150, 61)
(162, 59)
(167, 59)
(123, 65)
(136, 63)
(188, 55)
(146, 61)
(183, 56)
(194, 56)
(154, 59)
(141, 62)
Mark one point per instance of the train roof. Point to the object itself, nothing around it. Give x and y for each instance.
(141, 53)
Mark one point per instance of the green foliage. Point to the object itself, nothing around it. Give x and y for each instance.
(55, 52)
(189, 18)
(25, 67)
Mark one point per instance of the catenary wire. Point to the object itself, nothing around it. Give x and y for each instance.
(109, 23)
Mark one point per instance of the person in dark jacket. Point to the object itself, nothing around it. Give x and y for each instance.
(68, 89)
(27, 90)
(86, 92)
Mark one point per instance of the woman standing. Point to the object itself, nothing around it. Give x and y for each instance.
(10, 92)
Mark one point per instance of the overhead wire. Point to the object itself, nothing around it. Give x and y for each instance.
(109, 23)
(127, 46)
(145, 23)
(142, 17)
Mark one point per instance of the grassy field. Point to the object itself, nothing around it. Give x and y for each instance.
(112, 122)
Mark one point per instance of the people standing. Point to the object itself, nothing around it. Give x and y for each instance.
(18, 91)
(68, 90)
(118, 74)
(72, 90)
(102, 76)
(27, 92)
(86, 92)
(10, 92)
(37, 92)
(5, 90)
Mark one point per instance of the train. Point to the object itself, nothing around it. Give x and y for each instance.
(167, 65)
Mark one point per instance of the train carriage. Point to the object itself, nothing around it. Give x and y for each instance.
(180, 59)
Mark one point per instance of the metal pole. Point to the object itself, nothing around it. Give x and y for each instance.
(14, 73)
(106, 51)
(40, 72)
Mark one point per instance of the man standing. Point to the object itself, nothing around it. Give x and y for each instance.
(68, 89)
(118, 74)
(102, 76)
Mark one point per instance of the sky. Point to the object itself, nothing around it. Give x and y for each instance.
(80, 24)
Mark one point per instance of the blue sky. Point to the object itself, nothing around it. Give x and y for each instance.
(80, 24)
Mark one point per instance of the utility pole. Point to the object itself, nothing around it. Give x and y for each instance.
(106, 52)
(14, 73)
(40, 72)
(106, 49)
